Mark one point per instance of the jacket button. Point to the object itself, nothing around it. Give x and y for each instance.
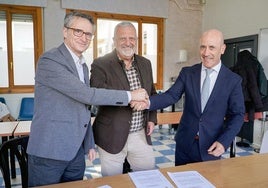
(85, 125)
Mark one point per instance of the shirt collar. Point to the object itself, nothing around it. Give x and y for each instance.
(133, 57)
(122, 61)
(215, 68)
(81, 60)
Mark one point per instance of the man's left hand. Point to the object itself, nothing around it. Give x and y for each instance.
(91, 154)
(150, 127)
(216, 149)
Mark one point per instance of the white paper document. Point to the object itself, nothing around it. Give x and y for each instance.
(150, 179)
(189, 179)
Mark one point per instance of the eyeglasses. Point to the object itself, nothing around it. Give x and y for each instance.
(79, 33)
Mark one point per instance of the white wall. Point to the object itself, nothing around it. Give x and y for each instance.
(38, 3)
(236, 18)
(183, 28)
(155, 8)
(262, 49)
(53, 17)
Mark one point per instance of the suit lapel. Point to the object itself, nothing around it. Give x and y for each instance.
(141, 71)
(68, 59)
(196, 76)
(217, 87)
(119, 71)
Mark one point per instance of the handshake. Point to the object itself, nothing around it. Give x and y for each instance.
(139, 99)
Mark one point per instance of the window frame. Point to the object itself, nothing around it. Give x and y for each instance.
(36, 13)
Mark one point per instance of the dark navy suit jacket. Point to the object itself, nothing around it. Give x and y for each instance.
(222, 117)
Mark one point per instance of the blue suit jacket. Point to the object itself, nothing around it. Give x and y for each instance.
(222, 117)
(61, 121)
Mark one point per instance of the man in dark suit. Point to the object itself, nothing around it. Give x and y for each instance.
(121, 132)
(61, 132)
(205, 134)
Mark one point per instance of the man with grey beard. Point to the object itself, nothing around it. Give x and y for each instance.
(121, 132)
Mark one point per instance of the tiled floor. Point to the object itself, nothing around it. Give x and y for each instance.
(164, 148)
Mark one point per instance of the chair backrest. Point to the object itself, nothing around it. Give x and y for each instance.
(264, 143)
(26, 109)
(18, 147)
(168, 118)
(2, 100)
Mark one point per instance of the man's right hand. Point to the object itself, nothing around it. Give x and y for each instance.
(139, 95)
(140, 105)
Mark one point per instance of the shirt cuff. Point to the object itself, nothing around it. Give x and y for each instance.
(129, 96)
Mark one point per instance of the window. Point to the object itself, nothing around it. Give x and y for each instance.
(150, 39)
(20, 47)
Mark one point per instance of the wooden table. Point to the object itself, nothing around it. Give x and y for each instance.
(23, 128)
(249, 171)
(7, 128)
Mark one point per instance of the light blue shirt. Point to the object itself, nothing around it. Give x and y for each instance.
(213, 76)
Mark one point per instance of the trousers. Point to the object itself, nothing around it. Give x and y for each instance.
(43, 171)
(139, 154)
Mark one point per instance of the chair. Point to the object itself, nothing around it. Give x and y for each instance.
(168, 118)
(264, 143)
(2, 100)
(233, 148)
(16, 146)
(26, 109)
(126, 167)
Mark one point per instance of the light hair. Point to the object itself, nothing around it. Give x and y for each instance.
(122, 24)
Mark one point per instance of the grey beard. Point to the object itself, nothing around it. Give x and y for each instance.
(128, 53)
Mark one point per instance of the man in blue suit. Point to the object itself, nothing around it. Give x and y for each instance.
(61, 132)
(205, 134)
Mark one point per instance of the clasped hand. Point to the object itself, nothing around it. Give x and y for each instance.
(139, 99)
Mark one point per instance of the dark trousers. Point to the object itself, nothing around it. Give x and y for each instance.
(193, 156)
(43, 171)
